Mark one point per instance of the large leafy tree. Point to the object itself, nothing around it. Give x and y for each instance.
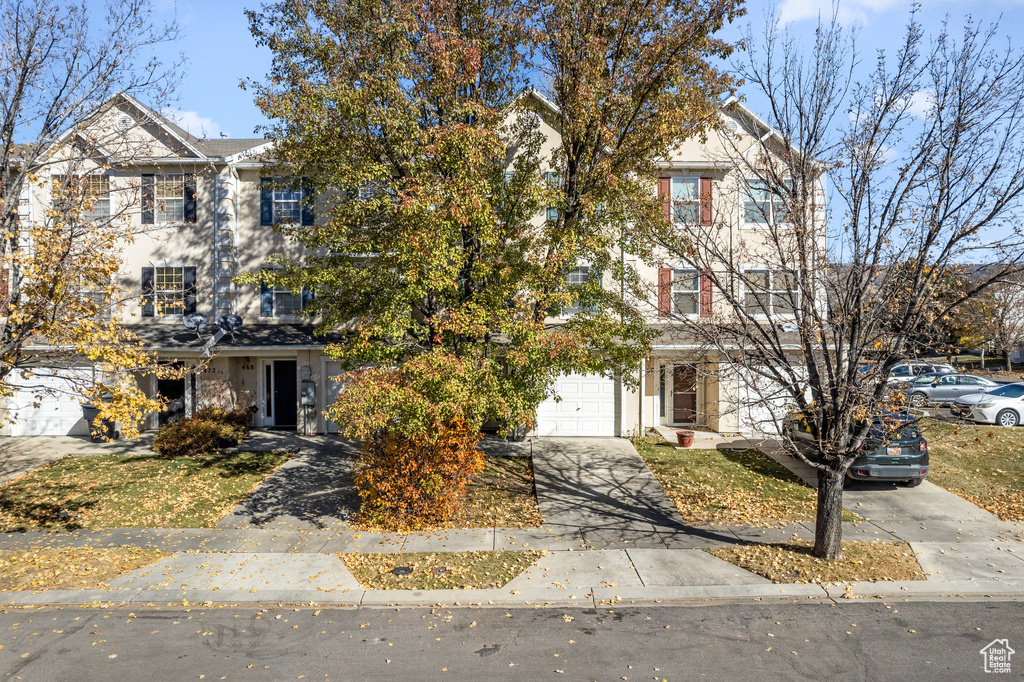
(449, 221)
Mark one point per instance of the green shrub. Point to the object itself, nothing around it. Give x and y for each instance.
(204, 433)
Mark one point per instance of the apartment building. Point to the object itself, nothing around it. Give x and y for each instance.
(202, 210)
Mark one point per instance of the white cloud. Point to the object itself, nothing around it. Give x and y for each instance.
(921, 103)
(850, 11)
(197, 125)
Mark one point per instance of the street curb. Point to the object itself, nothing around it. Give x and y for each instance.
(637, 596)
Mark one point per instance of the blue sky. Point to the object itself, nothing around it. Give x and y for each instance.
(221, 52)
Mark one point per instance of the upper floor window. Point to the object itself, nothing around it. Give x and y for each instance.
(762, 206)
(576, 277)
(282, 301)
(168, 290)
(168, 198)
(281, 202)
(90, 193)
(686, 292)
(770, 292)
(553, 180)
(686, 200)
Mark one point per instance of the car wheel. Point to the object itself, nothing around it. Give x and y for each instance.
(1007, 418)
(918, 399)
(914, 482)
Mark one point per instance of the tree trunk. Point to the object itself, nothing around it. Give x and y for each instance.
(983, 358)
(828, 529)
(1009, 365)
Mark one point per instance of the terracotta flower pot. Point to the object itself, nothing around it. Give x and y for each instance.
(685, 438)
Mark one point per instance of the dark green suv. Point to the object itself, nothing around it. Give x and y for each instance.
(895, 449)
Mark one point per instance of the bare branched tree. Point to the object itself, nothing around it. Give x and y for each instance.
(63, 68)
(920, 156)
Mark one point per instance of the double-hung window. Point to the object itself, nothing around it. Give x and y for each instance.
(686, 200)
(762, 206)
(278, 301)
(168, 198)
(553, 180)
(686, 291)
(86, 195)
(168, 290)
(95, 198)
(281, 201)
(770, 291)
(577, 277)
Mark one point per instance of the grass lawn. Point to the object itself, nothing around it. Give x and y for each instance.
(730, 487)
(133, 491)
(792, 562)
(502, 495)
(439, 570)
(71, 568)
(982, 464)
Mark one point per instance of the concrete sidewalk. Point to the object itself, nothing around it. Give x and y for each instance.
(610, 533)
(638, 576)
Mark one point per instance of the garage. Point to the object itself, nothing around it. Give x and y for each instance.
(331, 390)
(60, 410)
(586, 408)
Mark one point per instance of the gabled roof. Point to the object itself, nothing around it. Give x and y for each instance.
(202, 148)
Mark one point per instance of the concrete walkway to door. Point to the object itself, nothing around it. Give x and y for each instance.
(604, 489)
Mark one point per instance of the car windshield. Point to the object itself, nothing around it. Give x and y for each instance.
(1011, 391)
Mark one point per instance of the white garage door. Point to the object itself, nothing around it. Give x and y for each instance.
(587, 407)
(331, 391)
(59, 412)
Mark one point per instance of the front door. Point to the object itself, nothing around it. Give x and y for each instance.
(684, 394)
(284, 394)
(173, 391)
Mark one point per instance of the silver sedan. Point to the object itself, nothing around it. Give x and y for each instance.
(947, 388)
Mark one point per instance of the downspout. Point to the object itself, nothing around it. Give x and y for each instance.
(216, 242)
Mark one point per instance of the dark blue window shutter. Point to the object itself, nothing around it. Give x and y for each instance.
(148, 199)
(307, 296)
(308, 200)
(189, 281)
(266, 300)
(190, 198)
(266, 201)
(148, 309)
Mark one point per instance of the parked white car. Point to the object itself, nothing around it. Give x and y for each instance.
(904, 372)
(1003, 406)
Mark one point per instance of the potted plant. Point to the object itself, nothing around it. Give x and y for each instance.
(685, 437)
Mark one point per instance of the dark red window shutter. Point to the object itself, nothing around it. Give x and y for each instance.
(705, 294)
(664, 292)
(705, 201)
(665, 194)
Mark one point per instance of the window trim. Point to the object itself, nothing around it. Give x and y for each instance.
(695, 202)
(771, 199)
(157, 291)
(570, 311)
(81, 176)
(769, 290)
(305, 296)
(683, 267)
(271, 185)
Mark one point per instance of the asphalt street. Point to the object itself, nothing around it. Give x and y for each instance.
(855, 640)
